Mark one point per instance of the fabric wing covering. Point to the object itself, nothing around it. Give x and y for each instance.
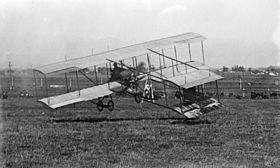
(118, 54)
(79, 96)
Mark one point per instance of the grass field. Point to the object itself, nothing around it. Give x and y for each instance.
(245, 133)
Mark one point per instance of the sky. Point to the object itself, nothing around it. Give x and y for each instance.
(39, 32)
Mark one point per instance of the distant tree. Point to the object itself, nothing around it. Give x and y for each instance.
(2, 73)
(271, 68)
(225, 69)
(10, 70)
(241, 69)
(256, 71)
(249, 69)
(237, 68)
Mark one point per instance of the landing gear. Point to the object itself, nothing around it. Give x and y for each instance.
(147, 95)
(110, 104)
(148, 91)
(138, 98)
(100, 105)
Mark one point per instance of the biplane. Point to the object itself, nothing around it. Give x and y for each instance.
(161, 72)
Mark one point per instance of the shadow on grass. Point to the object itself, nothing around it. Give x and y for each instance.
(104, 119)
(192, 121)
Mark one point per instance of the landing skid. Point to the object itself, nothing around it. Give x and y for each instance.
(139, 98)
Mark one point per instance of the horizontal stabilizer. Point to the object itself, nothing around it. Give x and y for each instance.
(80, 95)
(194, 110)
(209, 105)
(188, 110)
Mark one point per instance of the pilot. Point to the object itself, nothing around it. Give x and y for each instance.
(116, 73)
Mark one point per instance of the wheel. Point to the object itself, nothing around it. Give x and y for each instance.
(147, 94)
(137, 98)
(110, 105)
(132, 85)
(99, 105)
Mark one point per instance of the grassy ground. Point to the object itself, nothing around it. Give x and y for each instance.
(245, 133)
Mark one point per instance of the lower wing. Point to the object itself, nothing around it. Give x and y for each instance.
(80, 95)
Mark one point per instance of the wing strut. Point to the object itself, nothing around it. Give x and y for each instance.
(160, 66)
(181, 101)
(77, 79)
(95, 73)
(217, 91)
(175, 52)
(135, 61)
(46, 85)
(132, 62)
(107, 69)
(66, 82)
(190, 54)
(172, 68)
(173, 59)
(162, 51)
(165, 93)
(35, 83)
(202, 49)
(149, 63)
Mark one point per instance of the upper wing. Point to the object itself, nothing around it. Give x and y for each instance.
(118, 54)
(80, 95)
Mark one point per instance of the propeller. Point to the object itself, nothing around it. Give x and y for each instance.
(138, 69)
(141, 67)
